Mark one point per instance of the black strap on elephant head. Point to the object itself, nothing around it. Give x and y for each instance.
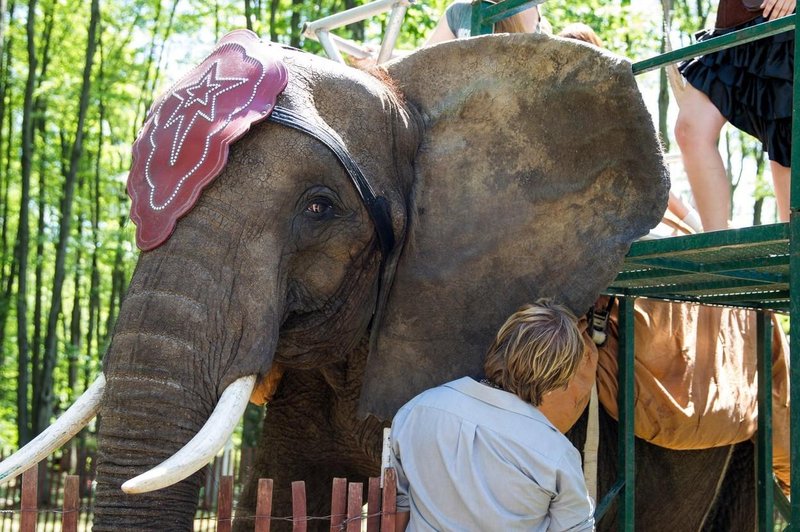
(377, 206)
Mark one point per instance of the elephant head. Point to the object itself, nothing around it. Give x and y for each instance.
(405, 212)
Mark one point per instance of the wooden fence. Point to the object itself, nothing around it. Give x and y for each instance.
(51, 485)
(81, 462)
(349, 510)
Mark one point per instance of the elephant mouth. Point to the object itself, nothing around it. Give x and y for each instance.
(192, 457)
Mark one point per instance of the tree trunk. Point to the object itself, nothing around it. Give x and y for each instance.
(357, 28)
(758, 205)
(216, 21)
(6, 279)
(46, 389)
(144, 92)
(23, 231)
(273, 13)
(663, 82)
(75, 328)
(117, 285)
(5, 63)
(3, 6)
(167, 32)
(46, 42)
(247, 15)
(729, 171)
(294, 31)
(757, 208)
(40, 121)
(94, 274)
(36, 341)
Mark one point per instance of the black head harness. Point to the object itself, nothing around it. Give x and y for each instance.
(377, 206)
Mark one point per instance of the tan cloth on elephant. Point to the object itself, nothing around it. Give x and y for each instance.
(564, 407)
(695, 377)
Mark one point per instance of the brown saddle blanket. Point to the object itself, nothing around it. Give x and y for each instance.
(695, 378)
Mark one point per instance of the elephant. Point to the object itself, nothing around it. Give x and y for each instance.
(358, 237)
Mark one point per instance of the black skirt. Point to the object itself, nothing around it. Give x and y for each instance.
(751, 85)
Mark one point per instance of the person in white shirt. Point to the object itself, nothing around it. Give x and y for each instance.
(479, 455)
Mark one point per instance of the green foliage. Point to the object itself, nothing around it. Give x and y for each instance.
(626, 28)
(251, 425)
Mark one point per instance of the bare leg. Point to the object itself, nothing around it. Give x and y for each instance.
(781, 178)
(697, 132)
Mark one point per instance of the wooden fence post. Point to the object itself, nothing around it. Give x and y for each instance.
(69, 519)
(299, 515)
(355, 499)
(374, 505)
(346, 504)
(338, 503)
(30, 481)
(264, 505)
(389, 507)
(225, 504)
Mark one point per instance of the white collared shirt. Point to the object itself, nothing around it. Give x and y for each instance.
(470, 457)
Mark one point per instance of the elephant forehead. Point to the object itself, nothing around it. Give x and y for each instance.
(184, 143)
(269, 170)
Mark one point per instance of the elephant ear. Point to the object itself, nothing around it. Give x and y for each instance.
(538, 167)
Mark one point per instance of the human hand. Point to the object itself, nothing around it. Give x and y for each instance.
(778, 8)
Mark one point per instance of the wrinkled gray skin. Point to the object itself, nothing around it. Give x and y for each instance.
(515, 167)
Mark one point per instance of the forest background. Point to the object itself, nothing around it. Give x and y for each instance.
(76, 79)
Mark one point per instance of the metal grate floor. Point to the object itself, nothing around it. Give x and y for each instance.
(740, 267)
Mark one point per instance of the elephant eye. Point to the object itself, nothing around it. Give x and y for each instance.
(319, 208)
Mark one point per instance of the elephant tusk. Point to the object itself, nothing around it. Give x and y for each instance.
(204, 446)
(65, 427)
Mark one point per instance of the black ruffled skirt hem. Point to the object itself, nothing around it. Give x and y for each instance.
(751, 85)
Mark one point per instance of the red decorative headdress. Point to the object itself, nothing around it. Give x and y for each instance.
(184, 143)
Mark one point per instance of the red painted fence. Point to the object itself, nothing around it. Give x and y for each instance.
(347, 505)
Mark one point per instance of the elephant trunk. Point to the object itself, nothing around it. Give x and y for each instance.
(136, 434)
(178, 352)
(205, 444)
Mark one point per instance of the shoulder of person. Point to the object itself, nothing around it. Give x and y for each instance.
(422, 397)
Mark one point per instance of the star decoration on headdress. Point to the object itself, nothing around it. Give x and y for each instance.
(185, 141)
(197, 100)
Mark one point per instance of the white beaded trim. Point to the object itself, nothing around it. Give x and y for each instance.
(178, 139)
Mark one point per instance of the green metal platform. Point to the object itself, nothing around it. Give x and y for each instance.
(743, 267)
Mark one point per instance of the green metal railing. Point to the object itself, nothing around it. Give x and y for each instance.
(735, 38)
(485, 14)
(755, 267)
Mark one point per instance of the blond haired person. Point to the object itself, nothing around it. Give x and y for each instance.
(479, 455)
